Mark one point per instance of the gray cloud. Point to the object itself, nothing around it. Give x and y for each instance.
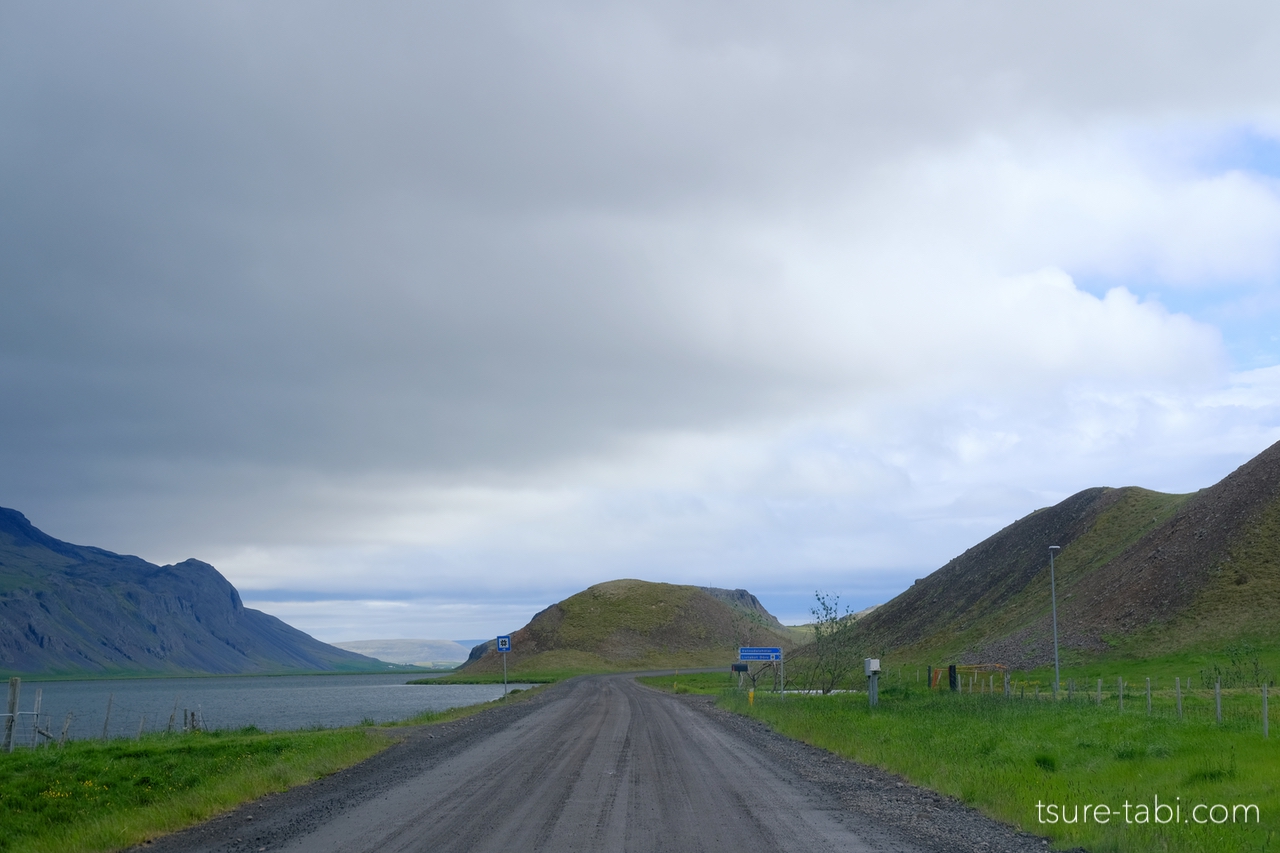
(266, 267)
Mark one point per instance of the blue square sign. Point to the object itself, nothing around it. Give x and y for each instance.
(504, 643)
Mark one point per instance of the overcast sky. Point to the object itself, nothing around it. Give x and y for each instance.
(414, 318)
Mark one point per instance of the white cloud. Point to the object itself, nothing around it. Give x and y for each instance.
(402, 306)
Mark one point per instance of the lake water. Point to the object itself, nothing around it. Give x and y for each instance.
(268, 702)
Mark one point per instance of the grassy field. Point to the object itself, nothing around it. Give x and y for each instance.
(1013, 758)
(91, 796)
(94, 796)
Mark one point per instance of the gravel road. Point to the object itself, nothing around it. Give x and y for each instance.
(602, 763)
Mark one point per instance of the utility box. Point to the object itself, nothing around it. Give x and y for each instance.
(872, 666)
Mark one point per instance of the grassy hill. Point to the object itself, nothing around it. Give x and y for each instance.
(1140, 573)
(631, 625)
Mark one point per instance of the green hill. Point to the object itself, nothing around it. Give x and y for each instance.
(1140, 573)
(634, 625)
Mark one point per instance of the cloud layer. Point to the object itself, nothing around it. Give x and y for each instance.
(435, 306)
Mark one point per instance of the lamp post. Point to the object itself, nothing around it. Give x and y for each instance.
(1053, 599)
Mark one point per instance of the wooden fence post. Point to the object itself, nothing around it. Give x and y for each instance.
(1099, 691)
(1265, 720)
(107, 721)
(1148, 697)
(35, 726)
(1120, 691)
(65, 725)
(15, 685)
(1217, 698)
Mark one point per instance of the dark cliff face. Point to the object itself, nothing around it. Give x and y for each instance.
(73, 608)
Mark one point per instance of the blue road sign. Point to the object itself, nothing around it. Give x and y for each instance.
(759, 653)
(504, 643)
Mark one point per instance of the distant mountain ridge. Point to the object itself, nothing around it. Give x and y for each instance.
(69, 609)
(634, 624)
(1138, 571)
(417, 652)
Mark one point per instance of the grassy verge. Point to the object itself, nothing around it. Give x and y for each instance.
(691, 682)
(93, 796)
(1007, 756)
(90, 796)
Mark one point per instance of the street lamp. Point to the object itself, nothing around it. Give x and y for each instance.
(1053, 599)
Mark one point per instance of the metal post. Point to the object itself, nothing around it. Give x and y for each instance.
(1053, 598)
(1266, 730)
(504, 675)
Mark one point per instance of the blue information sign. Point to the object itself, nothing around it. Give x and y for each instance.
(759, 653)
(504, 643)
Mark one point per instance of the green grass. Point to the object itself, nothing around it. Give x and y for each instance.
(93, 796)
(90, 796)
(1005, 756)
(691, 682)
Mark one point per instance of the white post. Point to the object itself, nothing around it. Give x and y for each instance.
(1217, 698)
(1177, 690)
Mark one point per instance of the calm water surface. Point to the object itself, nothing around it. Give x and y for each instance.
(268, 702)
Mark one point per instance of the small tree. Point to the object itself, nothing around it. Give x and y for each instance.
(834, 652)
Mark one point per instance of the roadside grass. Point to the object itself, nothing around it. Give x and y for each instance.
(691, 682)
(90, 796)
(1005, 756)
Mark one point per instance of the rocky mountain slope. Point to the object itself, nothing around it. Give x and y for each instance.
(1139, 572)
(632, 624)
(75, 609)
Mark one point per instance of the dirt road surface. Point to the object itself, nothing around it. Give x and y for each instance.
(602, 764)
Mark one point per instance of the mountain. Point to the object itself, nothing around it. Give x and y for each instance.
(416, 652)
(1139, 572)
(67, 609)
(632, 624)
